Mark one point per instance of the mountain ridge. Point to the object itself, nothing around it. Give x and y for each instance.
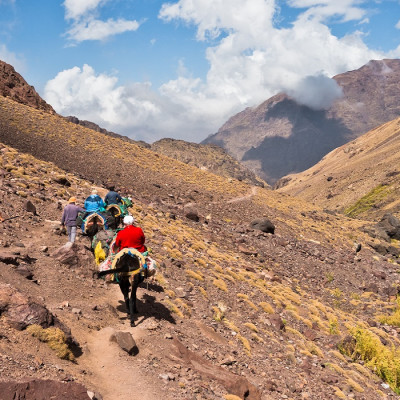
(280, 129)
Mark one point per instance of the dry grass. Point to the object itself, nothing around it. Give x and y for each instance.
(55, 339)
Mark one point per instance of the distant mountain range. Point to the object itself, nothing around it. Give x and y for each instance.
(280, 136)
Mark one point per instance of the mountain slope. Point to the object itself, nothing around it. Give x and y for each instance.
(233, 310)
(274, 319)
(363, 174)
(208, 157)
(280, 136)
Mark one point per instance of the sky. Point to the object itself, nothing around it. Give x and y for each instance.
(150, 69)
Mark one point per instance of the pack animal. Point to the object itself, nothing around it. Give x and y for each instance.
(128, 271)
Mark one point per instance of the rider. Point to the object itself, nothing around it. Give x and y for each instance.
(131, 236)
(68, 218)
(94, 203)
(112, 196)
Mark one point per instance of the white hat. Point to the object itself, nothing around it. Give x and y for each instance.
(129, 220)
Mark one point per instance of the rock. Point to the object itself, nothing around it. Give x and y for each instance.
(379, 274)
(271, 386)
(43, 389)
(391, 291)
(8, 258)
(310, 334)
(329, 378)
(74, 255)
(276, 322)
(264, 225)
(94, 395)
(247, 251)
(21, 311)
(190, 211)
(390, 225)
(234, 384)
(126, 342)
(372, 287)
(29, 206)
(62, 180)
(24, 271)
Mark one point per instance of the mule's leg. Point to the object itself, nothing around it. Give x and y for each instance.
(132, 301)
(135, 285)
(125, 287)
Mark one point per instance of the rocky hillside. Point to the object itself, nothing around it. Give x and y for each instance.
(14, 86)
(360, 179)
(259, 295)
(206, 157)
(280, 137)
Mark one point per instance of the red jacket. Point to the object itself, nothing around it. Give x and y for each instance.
(131, 236)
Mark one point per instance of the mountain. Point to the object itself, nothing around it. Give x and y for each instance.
(280, 136)
(360, 178)
(97, 128)
(258, 295)
(14, 86)
(206, 157)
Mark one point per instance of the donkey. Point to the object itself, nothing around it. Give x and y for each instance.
(92, 224)
(129, 279)
(129, 274)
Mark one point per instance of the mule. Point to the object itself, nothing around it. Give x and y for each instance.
(91, 224)
(128, 270)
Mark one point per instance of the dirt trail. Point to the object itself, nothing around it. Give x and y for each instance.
(114, 373)
(248, 196)
(111, 371)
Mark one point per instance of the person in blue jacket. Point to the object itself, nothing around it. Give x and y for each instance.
(94, 203)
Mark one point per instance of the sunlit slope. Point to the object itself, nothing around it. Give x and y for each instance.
(280, 315)
(361, 178)
(153, 177)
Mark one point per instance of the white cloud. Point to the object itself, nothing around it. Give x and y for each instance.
(323, 9)
(75, 9)
(85, 26)
(11, 58)
(93, 29)
(317, 92)
(398, 25)
(250, 59)
(135, 110)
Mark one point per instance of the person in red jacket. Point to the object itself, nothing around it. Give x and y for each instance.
(131, 236)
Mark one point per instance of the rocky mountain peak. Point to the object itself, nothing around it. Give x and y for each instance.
(14, 86)
(280, 136)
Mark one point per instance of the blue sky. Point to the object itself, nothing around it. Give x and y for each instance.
(150, 69)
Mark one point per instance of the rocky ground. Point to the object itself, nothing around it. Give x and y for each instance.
(233, 310)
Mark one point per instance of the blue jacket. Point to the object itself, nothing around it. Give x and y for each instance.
(94, 203)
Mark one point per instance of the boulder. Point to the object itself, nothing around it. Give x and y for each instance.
(38, 389)
(263, 224)
(125, 341)
(21, 311)
(74, 255)
(390, 225)
(190, 211)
